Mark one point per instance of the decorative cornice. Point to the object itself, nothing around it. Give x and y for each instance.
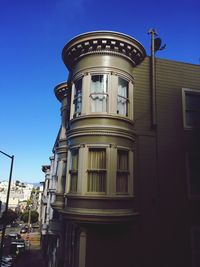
(100, 216)
(102, 131)
(103, 42)
(62, 90)
(46, 168)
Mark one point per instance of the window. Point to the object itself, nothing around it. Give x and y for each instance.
(78, 98)
(97, 170)
(122, 97)
(192, 108)
(122, 171)
(74, 170)
(98, 93)
(194, 173)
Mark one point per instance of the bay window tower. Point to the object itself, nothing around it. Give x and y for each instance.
(100, 136)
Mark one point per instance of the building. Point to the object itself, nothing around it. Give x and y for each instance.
(128, 154)
(19, 192)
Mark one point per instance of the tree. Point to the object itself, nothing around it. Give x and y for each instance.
(34, 216)
(9, 217)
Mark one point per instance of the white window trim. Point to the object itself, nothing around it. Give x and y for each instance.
(184, 91)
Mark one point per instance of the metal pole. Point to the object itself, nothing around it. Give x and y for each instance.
(153, 79)
(29, 218)
(6, 208)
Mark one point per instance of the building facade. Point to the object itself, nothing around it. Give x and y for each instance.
(127, 175)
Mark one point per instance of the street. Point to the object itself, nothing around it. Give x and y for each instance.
(33, 254)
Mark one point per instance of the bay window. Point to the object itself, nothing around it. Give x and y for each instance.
(122, 171)
(96, 170)
(122, 97)
(98, 93)
(74, 170)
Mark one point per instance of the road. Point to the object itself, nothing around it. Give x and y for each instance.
(32, 257)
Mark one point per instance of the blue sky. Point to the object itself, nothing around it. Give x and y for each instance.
(33, 33)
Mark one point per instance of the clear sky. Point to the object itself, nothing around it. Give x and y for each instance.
(32, 35)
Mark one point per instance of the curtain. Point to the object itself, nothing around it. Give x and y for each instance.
(96, 170)
(74, 170)
(122, 171)
(98, 93)
(78, 97)
(122, 97)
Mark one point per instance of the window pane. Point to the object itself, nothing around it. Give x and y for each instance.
(122, 160)
(192, 118)
(122, 97)
(78, 97)
(122, 183)
(96, 182)
(192, 112)
(97, 158)
(74, 159)
(122, 171)
(97, 170)
(193, 101)
(98, 93)
(73, 184)
(74, 170)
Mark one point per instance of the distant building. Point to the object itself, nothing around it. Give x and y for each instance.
(126, 159)
(19, 192)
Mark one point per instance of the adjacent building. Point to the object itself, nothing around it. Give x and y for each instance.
(126, 159)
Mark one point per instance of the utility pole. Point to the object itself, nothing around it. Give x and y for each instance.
(29, 217)
(153, 79)
(155, 46)
(6, 208)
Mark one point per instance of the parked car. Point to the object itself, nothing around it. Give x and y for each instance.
(14, 235)
(17, 247)
(14, 224)
(23, 230)
(7, 261)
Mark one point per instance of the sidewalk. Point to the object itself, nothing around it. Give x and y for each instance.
(31, 258)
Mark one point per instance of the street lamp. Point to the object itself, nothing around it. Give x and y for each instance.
(6, 208)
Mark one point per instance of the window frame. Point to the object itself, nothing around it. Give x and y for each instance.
(107, 93)
(185, 110)
(127, 172)
(120, 96)
(105, 171)
(75, 98)
(72, 171)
